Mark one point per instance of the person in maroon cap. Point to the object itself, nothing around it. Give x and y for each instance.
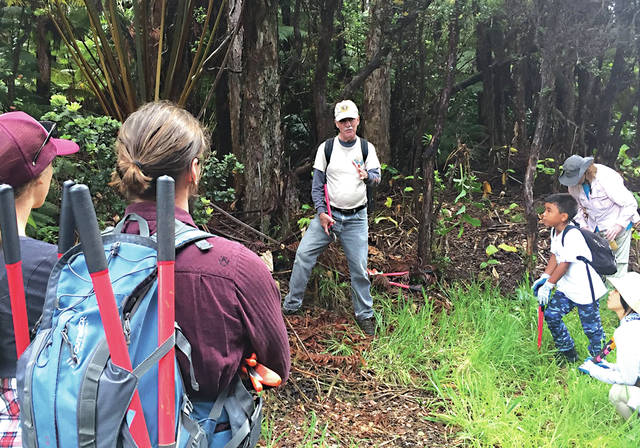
(27, 150)
(227, 303)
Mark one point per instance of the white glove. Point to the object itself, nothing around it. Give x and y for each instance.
(544, 293)
(613, 232)
(587, 366)
(539, 282)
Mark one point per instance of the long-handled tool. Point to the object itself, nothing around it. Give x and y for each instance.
(326, 200)
(540, 325)
(166, 308)
(13, 263)
(85, 218)
(66, 237)
(373, 272)
(605, 351)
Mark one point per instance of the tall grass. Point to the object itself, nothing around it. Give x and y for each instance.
(480, 360)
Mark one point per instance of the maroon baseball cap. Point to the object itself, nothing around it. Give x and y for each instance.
(26, 148)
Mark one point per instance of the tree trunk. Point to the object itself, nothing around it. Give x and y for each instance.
(619, 80)
(321, 111)
(254, 102)
(425, 229)
(547, 82)
(43, 54)
(636, 152)
(377, 90)
(17, 41)
(485, 103)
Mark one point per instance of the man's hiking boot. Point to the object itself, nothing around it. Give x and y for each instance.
(367, 325)
(288, 312)
(569, 356)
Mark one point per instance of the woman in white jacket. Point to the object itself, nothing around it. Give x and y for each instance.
(624, 300)
(605, 205)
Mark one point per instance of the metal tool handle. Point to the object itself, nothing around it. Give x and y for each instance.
(9, 225)
(166, 197)
(66, 236)
(87, 224)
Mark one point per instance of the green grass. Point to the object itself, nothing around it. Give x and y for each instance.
(481, 361)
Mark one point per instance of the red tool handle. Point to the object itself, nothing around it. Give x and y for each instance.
(165, 192)
(87, 224)
(13, 263)
(326, 199)
(540, 324)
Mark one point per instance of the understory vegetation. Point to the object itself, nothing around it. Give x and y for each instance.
(490, 384)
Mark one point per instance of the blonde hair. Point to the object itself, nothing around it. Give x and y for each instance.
(590, 173)
(159, 138)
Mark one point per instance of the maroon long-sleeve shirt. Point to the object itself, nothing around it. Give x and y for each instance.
(227, 305)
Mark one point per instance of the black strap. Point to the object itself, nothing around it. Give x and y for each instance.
(586, 265)
(566, 229)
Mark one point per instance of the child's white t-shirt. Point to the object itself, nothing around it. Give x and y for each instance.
(575, 282)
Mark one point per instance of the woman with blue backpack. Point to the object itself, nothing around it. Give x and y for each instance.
(27, 151)
(227, 303)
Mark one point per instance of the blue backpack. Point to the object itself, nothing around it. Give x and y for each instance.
(71, 395)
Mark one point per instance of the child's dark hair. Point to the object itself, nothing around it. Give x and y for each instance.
(565, 203)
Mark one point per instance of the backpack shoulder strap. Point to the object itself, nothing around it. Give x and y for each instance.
(142, 223)
(566, 229)
(364, 147)
(328, 149)
(186, 235)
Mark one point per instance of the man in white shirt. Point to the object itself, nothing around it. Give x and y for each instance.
(571, 279)
(604, 204)
(346, 175)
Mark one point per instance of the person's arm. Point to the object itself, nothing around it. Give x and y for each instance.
(259, 299)
(373, 177)
(625, 370)
(551, 265)
(317, 191)
(613, 185)
(558, 272)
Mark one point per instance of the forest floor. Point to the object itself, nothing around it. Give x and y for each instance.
(333, 397)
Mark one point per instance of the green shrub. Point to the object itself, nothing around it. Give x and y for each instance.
(95, 162)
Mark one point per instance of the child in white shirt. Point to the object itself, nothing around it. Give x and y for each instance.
(565, 283)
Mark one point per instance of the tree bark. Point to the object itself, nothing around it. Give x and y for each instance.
(254, 102)
(321, 110)
(486, 102)
(377, 90)
(17, 41)
(425, 229)
(547, 82)
(43, 55)
(619, 80)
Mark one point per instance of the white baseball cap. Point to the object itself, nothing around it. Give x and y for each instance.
(345, 109)
(628, 285)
